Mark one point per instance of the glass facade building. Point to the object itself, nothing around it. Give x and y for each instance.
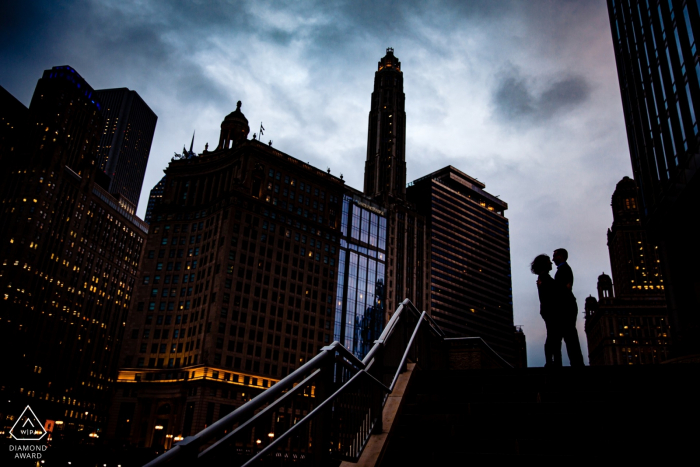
(658, 67)
(360, 309)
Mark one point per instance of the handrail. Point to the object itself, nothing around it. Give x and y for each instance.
(405, 354)
(285, 390)
(260, 414)
(210, 432)
(301, 422)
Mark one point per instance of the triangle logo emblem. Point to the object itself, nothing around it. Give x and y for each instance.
(28, 427)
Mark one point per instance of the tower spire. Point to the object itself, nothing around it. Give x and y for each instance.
(385, 167)
(192, 143)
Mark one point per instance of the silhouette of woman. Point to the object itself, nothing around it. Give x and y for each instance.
(549, 298)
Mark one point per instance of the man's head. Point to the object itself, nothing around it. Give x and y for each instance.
(559, 256)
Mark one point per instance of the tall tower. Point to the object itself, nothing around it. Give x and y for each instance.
(385, 168)
(125, 143)
(635, 261)
(469, 284)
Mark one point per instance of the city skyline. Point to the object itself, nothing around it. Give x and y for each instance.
(526, 117)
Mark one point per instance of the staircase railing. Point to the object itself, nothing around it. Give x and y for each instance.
(323, 412)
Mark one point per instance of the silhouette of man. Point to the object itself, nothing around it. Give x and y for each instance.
(564, 278)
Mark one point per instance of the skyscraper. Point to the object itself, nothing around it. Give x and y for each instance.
(408, 247)
(385, 168)
(125, 144)
(69, 259)
(635, 261)
(237, 286)
(154, 197)
(658, 69)
(628, 323)
(470, 288)
(156, 194)
(13, 122)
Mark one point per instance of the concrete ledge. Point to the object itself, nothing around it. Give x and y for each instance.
(472, 353)
(377, 444)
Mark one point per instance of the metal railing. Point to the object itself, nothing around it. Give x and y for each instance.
(323, 412)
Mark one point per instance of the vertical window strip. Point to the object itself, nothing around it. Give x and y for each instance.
(665, 158)
(679, 51)
(691, 38)
(680, 122)
(673, 141)
(656, 164)
(670, 70)
(692, 109)
(663, 87)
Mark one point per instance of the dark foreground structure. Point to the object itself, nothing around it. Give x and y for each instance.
(420, 398)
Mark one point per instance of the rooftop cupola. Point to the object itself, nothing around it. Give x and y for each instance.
(605, 287)
(234, 129)
(389, 61)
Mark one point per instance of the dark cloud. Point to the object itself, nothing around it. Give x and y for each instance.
(477, 72)
(515, 100)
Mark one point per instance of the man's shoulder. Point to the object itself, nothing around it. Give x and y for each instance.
(564, 271)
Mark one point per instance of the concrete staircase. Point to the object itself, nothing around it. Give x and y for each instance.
(505, 416)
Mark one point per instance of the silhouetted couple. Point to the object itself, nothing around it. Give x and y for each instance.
(558, 308)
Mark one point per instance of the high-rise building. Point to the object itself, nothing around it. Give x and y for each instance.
(628, 323)
(13, 121)
(155, 196)
(237, 286)
(635, 261)
(408, 247)
(69, 259)
(659, 71)
(125, 144)
(470, 288)
(385, 168)
(360, 298)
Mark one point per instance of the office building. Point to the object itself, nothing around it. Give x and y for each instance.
(658, 69)
(69, 259)
(13, 121)
(125, 144)
(628, 323)
(470, 288)
(236, 290)
(154, 198)
(156, 193)
(635, 261)
(408, 248)
(360, 298)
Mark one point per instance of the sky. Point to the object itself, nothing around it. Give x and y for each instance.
(521, 95)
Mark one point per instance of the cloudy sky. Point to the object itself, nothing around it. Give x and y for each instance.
(521, 95)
